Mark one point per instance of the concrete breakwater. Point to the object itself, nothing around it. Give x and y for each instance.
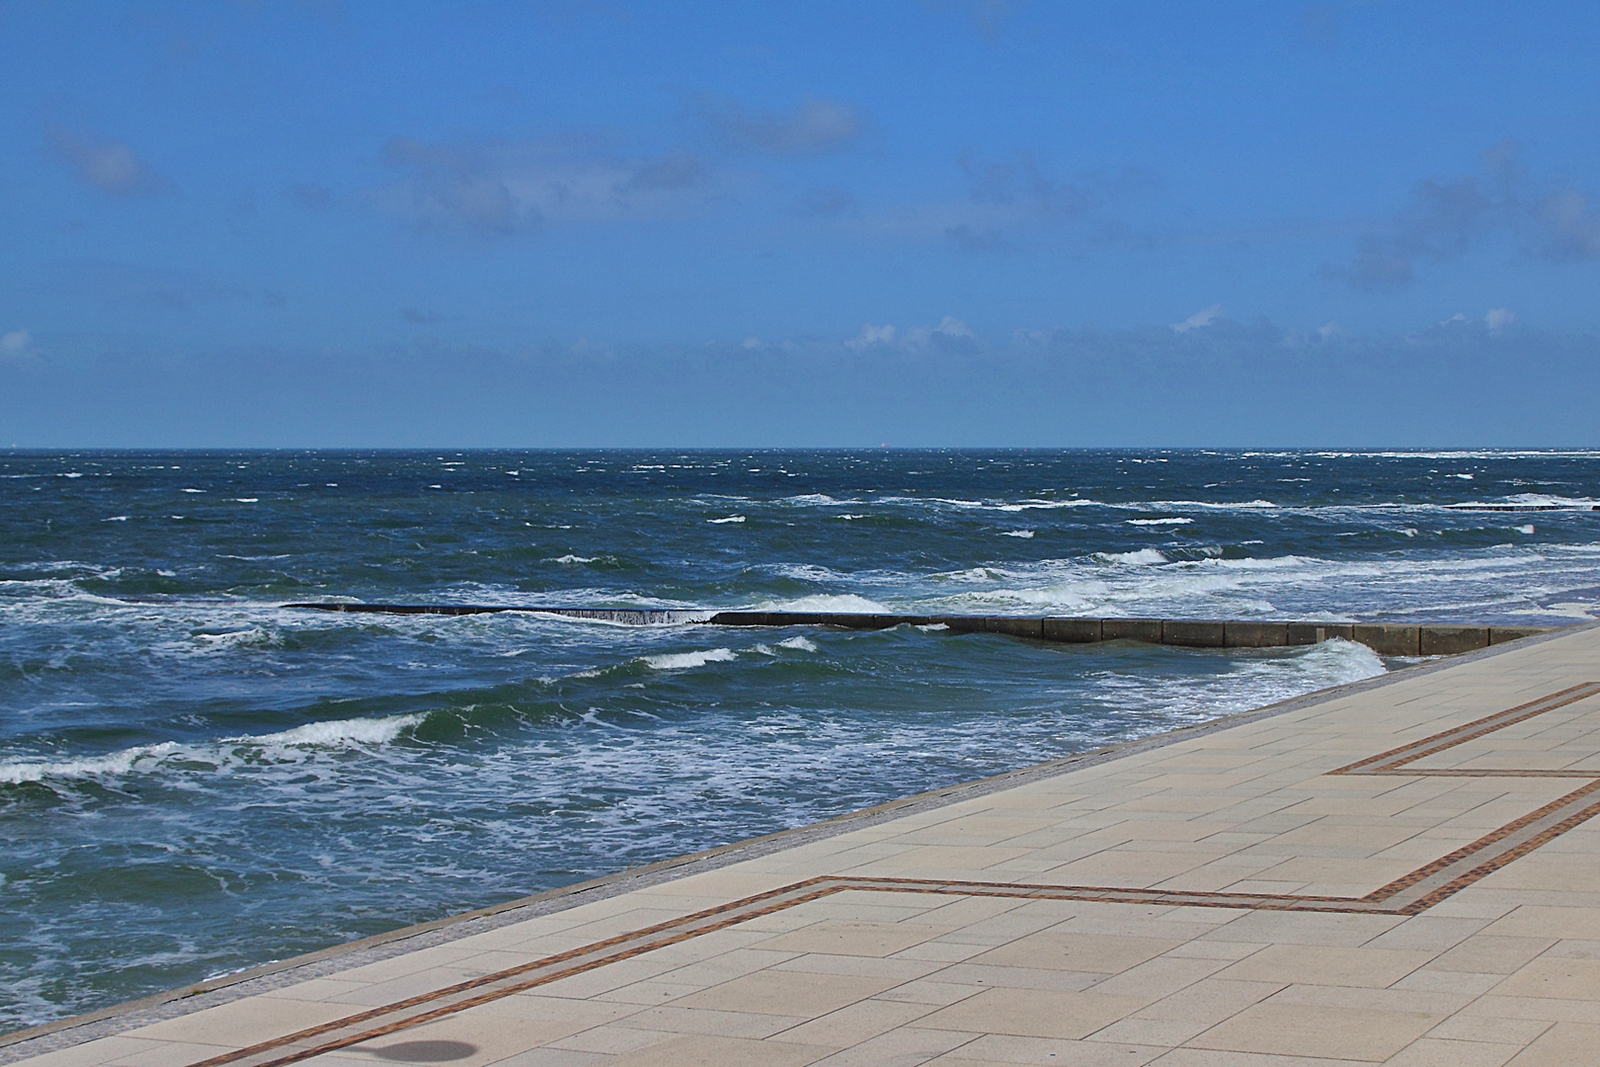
(1385, 638)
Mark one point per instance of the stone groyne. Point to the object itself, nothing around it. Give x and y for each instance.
(1385, 638)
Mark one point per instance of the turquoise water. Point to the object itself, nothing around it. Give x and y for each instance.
(194, 778)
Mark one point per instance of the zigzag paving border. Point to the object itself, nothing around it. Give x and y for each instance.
(1408, 895)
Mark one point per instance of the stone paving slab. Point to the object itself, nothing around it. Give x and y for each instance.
(1403, 873)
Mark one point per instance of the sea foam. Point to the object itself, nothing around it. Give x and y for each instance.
(677, 661)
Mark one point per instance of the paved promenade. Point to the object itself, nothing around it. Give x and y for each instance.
(1401, 873)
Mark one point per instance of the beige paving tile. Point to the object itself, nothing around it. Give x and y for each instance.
(1563, 1045)
(1065, 950)
(699, 1050)
(855, 938)
(855, 1023)
(906, 1046)
(91, 1053)
(1554, 977)
(1313, 1030)
(1327, 965)
(170, 1054)
(787, 993)
(244, 1022)
(1433, 1052)
(1033, 1013)
(992, 1049)
(465, 1040)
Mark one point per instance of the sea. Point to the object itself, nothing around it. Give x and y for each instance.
(196, 778)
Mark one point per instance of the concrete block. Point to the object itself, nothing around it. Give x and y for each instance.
(1389, 639)
(1148, 630)
(1450, 640)
(856, 622)
(1072, 631)
(1193, 633)
(745, 618)
(963, 624)
(797, 618)
(1499, 635)
(1013, 626)
(1256, 634)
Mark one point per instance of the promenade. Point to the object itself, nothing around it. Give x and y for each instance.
(1403, 871)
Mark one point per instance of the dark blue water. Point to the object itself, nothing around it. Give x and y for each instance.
(195, 779)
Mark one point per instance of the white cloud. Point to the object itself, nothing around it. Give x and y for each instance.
(814, 127)
(16, 342)
(110, 166)
(503, 188)
(1498, 319)
(950, 331)
(871, 335)
(1203, 317)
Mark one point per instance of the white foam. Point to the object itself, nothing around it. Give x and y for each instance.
(845, 603)
(247, 500)
(677, 661)
(817, 500)
(1142, 556)
(337, 733)
(730, 518)
(1016, 533)
(1527, 529)
(1338, 662)
(1159, 522)
(1530, 501)
(100, 766)
(798, 643)
(570, 558)
(254, 636)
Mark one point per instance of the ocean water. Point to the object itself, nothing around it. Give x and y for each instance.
(196, 779)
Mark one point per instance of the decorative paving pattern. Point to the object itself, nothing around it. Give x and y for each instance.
(1407, 895)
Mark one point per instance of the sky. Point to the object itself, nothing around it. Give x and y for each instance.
(931, 223)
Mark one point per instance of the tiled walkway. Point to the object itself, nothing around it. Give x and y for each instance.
(1405, 874)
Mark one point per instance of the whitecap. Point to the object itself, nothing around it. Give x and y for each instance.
(676, 661)
(843, 603)
(1016, 533)
(570, 558)
(1159, 522)
(798, 643)
(730, 518)
(1138, 556)
(98, 766)
(253, 636)
(337, 733)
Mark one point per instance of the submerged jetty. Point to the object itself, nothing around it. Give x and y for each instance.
(1405, 870)
(1385, 638)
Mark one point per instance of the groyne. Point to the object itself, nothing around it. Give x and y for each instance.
(1385, 638)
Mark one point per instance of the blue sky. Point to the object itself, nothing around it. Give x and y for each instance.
(923, 223)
